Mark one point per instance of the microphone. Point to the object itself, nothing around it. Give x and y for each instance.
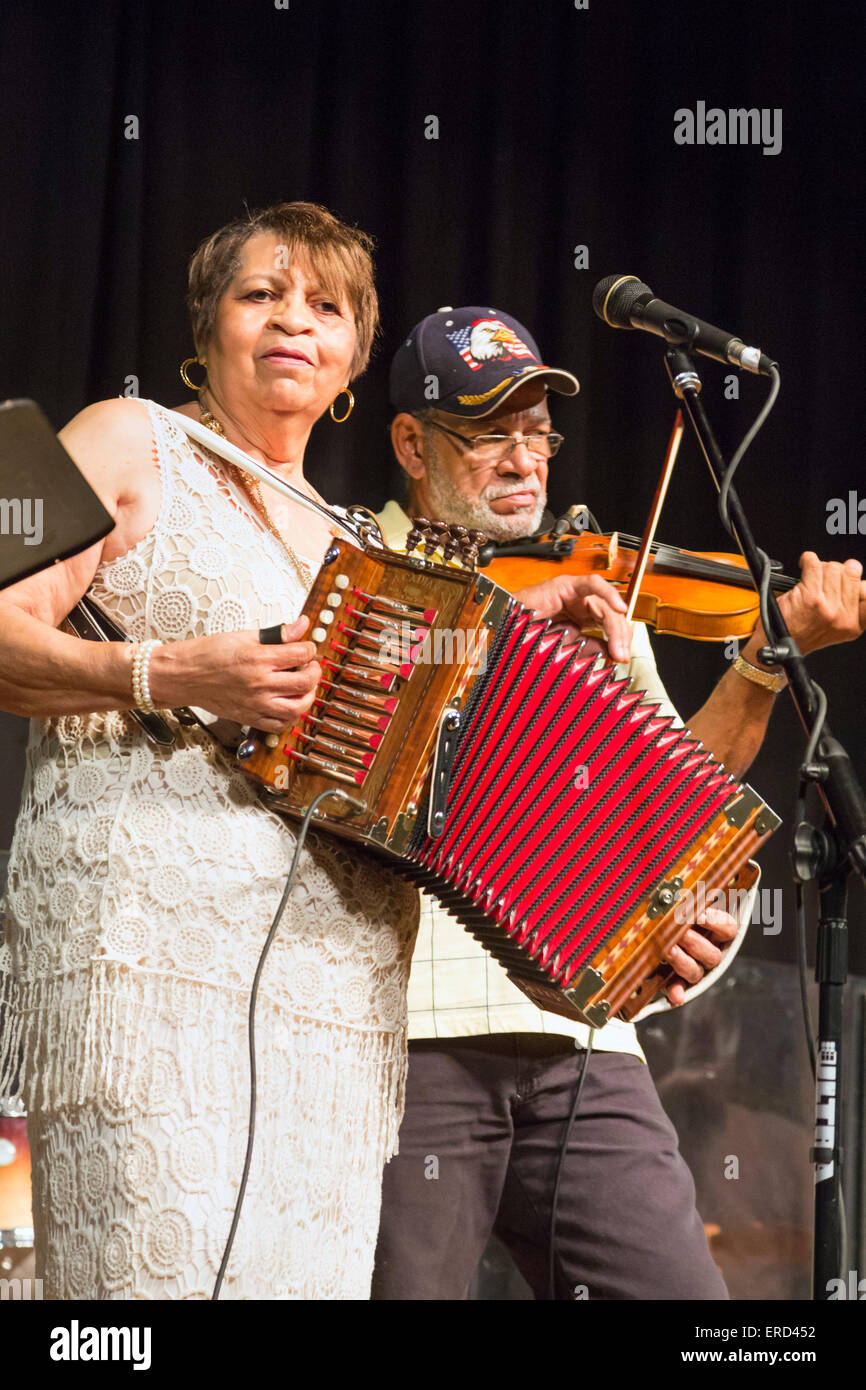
(623, 301)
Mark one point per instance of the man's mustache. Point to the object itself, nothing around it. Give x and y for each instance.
(490, 496)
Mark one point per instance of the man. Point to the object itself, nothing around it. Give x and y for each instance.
(492, 1078)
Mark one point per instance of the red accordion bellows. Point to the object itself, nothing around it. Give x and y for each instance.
(570, 799)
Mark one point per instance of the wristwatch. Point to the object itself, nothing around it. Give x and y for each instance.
(759, 677)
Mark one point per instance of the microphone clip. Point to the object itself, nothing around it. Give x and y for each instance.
(681, 370)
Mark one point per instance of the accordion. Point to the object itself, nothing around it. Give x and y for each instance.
(548, 807)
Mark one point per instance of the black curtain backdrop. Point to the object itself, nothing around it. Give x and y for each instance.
(555, 131)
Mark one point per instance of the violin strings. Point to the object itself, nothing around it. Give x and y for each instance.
(683, 563)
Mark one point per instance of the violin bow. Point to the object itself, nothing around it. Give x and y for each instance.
(648, 537)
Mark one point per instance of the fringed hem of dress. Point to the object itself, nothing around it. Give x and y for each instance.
(100, 1035)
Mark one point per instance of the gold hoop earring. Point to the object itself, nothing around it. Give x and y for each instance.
(185, 379)
(338, 419)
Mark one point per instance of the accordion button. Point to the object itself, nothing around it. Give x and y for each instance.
(334, 600)
(318, 634)
(342, 581)
(326, 616)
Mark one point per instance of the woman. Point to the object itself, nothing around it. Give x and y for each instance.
(142, 881)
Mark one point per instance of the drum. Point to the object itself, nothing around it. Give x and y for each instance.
(16, 1215)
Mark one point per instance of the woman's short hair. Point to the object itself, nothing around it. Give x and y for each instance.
(340, 256)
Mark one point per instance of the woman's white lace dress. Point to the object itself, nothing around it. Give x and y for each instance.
(142, 884)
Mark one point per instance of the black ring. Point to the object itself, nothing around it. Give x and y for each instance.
(271, 636)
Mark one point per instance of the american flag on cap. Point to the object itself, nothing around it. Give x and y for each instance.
(488, 340)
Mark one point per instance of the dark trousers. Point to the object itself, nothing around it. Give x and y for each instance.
(479, 1146)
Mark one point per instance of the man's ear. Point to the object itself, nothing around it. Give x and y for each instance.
(407, 441)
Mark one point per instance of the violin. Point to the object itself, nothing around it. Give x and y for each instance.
(708, 596)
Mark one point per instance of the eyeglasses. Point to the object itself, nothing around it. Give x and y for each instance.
(492, 448)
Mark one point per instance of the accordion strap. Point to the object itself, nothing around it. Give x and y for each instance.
(216, 444)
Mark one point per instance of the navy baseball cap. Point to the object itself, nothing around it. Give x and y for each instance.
(467, 362)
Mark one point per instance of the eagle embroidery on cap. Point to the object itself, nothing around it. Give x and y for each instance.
(488, 340)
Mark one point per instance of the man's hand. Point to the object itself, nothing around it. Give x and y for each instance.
(697, 953)
(582, 601)
(828, 605)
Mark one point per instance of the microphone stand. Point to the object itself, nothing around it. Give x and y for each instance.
(828, 854)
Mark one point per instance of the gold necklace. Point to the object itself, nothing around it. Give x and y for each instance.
(254, 488)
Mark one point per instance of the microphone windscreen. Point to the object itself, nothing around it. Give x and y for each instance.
(614, 297)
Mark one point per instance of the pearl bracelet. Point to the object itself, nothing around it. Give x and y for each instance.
(140, 683)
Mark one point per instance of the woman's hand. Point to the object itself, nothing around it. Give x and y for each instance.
(584, 601)
(233, 675)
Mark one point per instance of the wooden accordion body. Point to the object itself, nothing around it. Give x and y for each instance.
(556, 814)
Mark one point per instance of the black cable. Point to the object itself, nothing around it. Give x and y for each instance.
(551, 1242)
(251, 1026)
(760, 420)
(818, 693)
(818, 726)
(727, 484)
